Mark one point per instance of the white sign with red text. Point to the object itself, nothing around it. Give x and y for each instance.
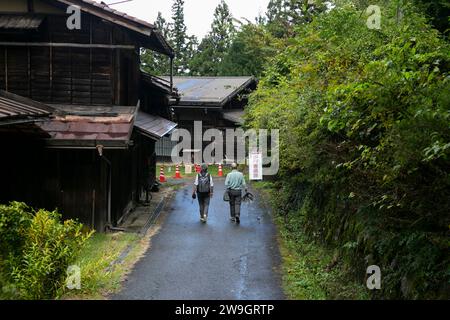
(255, 166)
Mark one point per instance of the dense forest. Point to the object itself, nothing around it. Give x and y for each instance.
(364, 115)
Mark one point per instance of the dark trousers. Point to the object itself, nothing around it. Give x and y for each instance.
(203, 201)
(235, 203)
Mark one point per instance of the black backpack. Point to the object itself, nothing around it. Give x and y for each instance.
(204, 183)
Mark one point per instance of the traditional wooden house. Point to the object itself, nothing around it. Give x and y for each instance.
(218, 102)
(78, 118)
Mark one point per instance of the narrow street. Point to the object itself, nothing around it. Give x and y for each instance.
(217, 260)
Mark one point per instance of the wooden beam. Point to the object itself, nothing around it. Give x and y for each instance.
(86, 144)
(29, 72)
(30, 5)
(71, 74)
(50, 64)
(112, 71)
(6, 69)
(66, 45)
(118, 69)
(90, 59)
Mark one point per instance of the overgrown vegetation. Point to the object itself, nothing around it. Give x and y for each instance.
(364, 116)
(311, 271)
(35, 251)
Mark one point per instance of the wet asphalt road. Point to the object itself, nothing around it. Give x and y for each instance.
(214, 261)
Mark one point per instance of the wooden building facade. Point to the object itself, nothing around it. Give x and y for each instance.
(219, 102)
(93, 155)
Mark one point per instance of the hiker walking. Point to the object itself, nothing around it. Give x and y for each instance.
(203, 190)
(235, 183)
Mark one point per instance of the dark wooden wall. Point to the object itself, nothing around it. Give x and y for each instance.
(67, 75)
(211, 119)
(76, 182)
(154, 101)
(72, 181)
(132, 171)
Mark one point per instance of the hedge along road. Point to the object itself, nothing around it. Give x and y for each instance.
(214, 261)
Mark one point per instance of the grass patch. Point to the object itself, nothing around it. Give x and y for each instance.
(311, 271)
(98, 276)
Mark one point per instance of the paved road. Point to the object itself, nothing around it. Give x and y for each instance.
(213, 261)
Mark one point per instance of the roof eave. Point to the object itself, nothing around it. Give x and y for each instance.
(141, 27)
(197, 105)
(86, 144)
(236, 92)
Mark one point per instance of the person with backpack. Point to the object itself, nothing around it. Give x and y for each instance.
(235, 183)
(203, 190)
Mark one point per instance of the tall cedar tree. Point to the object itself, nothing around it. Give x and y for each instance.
(175, 33)
(212, 49)
(178, 36)
(184, 45)
(155, 63)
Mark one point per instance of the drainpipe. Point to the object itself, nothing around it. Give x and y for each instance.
(102, 156)
(171, 75)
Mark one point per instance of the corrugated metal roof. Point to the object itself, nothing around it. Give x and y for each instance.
(154, 126)
(17, 109)
(161, 83)
(20, 22)
(209, 91)
(88, 126)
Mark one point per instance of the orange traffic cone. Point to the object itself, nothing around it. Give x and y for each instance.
(220, 171)
(162, 178)
(177, 172)
(197, 168)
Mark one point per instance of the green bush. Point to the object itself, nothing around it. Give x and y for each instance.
(35, 250)
(15, 219)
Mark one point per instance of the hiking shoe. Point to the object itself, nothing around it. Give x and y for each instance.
(233, 219)
(238, 220)
(202, 220)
